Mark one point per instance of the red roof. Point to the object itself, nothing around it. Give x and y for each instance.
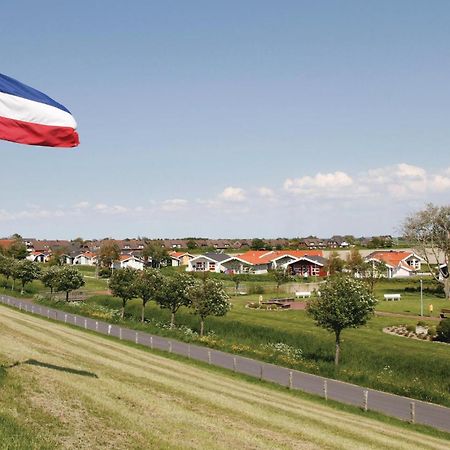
(265, 257)
(393, 258)
(6, 243)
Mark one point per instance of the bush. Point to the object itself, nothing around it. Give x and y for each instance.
(256, 289)
(432, 332)
(421, 323)
(104, 272)
(411, 328)
(443, 331)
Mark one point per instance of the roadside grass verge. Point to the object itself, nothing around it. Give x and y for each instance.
(140, 399)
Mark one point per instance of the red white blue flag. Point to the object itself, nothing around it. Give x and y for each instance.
(28, 116)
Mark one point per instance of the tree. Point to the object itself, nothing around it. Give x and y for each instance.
(13, 266)
(258, 244)
(108, 253)
(69, 279)
(6, 266)
(429, 232)
(335, 264)
(17, 250)
(147, 283)
(373, 271)
(208, 298)
(174, 294)
(280, 277)
(27, 271)
(344, 303)
(191, 244)
(122, 285)
(236, 279)
(355, 262)
(155, 253)
(50, 278)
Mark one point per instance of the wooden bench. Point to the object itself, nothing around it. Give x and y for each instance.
(445, 313)
(278, 303)
(392, 296)
(303, 294)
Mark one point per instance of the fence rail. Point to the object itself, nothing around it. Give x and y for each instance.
(414, 411)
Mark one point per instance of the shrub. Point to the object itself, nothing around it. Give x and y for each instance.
(421, 323)
(256, 289)
(443, 331)
(432, 332)
(411, 328)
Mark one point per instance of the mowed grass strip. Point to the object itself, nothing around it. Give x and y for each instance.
(90, 392)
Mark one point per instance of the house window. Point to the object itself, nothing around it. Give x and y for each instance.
(315, 271)
(212, 267)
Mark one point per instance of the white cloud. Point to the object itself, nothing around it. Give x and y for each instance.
(266, 192)
(175, 204)
(232, 194)
(319, 183)
(82, 205)
(110, 209)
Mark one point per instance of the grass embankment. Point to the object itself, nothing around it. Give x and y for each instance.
(71, 389)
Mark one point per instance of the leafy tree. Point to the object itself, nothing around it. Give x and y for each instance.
(26, 271)
(191, 244)
(344, 303)
(17, 250)
(429, 232)
(335, 264)
(122, 285)
(174, 293)
(258, 244)
(69, 279)
(208, 298)
(147, 283)
(355, 262)
(13, 266)
(50, 278)
(156, 253)
(373, 271)
(236, 279)
(108, 253)
(6, 264)
(280, 277)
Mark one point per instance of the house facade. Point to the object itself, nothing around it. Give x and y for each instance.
(308, 266)
(399, 264)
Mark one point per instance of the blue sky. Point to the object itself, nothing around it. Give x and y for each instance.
(230, 119)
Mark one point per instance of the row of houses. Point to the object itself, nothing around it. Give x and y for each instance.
(306, 263)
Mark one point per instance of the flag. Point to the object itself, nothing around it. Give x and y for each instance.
(28, 116)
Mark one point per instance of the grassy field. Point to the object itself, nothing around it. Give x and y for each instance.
(65, 388)
(369, 357)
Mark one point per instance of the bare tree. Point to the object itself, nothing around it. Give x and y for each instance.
(429, 232)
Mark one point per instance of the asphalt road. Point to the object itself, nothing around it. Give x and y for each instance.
(392, 405)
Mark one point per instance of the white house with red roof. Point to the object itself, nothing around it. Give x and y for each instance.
(399, 264)
(36, 256)
(130, 261)
(85, 259)
(180, 258)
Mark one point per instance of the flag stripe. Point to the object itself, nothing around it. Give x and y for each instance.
(18, 108)
(13, 87)
(37, 134)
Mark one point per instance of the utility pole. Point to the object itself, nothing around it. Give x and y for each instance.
(421, 297)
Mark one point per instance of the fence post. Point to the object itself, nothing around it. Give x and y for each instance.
(32, 309)
(234, 364)
(85, 324)
(75, 320)
(290, 379)
(325, 389)
(26, 307)
(48, 313)
(412, 408)
(366, 400)
(151, 342)
(120, 333)
(137, 338)
(170, 346)
(109, 330)
(209, 356)
(96, 325)
(20, 306)
(261, 372)
(65, 318)
(189, 350)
